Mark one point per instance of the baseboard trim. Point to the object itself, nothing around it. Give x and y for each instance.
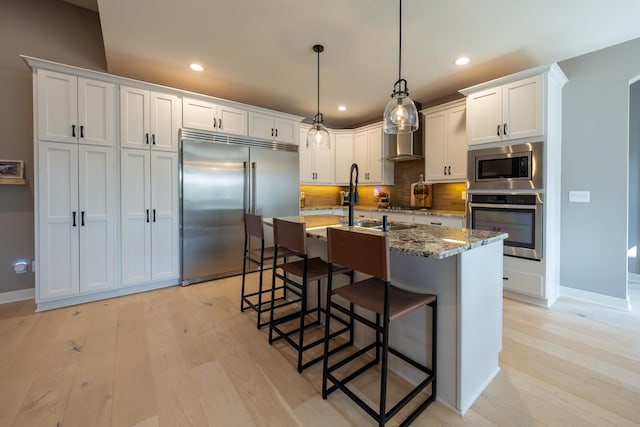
(21, 295)
(592, 297)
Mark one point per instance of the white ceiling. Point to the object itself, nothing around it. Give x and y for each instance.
(260, 51)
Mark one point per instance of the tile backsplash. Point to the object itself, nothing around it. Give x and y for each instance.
(446, 196)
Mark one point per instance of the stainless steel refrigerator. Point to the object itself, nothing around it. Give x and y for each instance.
(221, 178)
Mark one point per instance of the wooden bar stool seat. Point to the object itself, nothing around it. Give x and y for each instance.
(369, 254)
(297, 277)
(259, 300)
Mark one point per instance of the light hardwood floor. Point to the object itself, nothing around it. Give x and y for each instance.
(188, 357)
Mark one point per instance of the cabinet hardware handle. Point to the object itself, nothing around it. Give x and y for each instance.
(449, 170)
(74, 219)
(276, 132)
(498, 130)
(153, 139)
(214, 123)
(146, 138)
(73, 131)
(505, 129)
(436, 223)
(444, 170)
(147, 215)
(81, 131)
(82, 218)
(505, 278)
(154, 215)
(219, 123)
(272, 132)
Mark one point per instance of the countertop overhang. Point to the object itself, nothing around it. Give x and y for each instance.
(429, 241)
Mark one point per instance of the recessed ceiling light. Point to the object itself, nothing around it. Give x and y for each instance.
(463, 60)
(196, 67)
(342, 108)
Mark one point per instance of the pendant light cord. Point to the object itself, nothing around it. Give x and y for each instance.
(318, 110)
(400, 45)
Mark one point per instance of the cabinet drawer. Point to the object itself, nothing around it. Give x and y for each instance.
(526, 283)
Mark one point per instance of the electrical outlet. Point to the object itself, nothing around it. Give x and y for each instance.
(463, 195)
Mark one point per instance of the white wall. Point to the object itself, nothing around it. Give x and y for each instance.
(634, 177)
(595, 131)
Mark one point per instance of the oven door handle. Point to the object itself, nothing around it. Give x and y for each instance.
(503, 206)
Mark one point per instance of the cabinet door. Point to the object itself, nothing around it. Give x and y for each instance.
(232, 120)
(262, 126)
(57, 274)
(324, 165)
(361, 154)
(522, 108)
(198, 114)
(435, 129)
(136, 216)
(307, 173)
(374, 137)
(484, 115)
(164, 121)
(344, 157)
(286, 130)
(96, 112)
(57, 107)
(456, 149)
(164, 216)
(134, 118)
(97, 218)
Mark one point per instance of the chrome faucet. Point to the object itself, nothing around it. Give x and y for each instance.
(353, 192)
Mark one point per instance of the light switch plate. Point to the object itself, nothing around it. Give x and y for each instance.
(580, 196)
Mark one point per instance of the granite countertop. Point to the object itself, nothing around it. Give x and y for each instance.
(429, 241)
(426, 212)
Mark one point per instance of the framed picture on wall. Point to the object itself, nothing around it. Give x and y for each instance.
(11, 169)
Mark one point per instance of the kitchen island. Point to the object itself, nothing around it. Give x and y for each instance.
(463, 268)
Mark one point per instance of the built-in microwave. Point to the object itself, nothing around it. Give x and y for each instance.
(511, 167)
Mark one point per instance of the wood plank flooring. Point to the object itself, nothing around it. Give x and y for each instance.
(188, 357)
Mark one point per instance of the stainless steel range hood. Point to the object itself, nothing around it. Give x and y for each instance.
(408, 146)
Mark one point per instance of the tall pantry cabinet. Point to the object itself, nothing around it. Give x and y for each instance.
(75, 176)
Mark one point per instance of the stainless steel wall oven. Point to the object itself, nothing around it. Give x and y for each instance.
(519, 214)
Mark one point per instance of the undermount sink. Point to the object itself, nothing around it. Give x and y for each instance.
(375, 224)
(394, 227)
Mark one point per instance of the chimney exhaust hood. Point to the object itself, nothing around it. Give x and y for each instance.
(408, 146)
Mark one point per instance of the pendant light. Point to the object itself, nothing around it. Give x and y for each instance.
(401, 114)
(318, 137)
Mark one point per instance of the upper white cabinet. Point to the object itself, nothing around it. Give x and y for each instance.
(343, 156)
(149, 194)
(446, 142)
(274, 128)
(509, 111)
(148, 119)
(316, 166)
(75, 109)
(368, 153)
(204, 115)
(76, 220)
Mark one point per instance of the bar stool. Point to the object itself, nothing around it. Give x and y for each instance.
(291, 236)
(369, 254)
(254, 226)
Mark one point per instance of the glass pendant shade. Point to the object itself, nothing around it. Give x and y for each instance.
(318, 136)
(400, 115)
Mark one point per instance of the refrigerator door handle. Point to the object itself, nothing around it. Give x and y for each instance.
(245, 194)
(253, 187)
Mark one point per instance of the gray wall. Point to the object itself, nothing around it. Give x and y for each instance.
(48, 29)
(634, 176)
(595, 133)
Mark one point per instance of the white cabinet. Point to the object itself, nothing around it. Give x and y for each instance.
(368, 153)
(446, 142)
(148, 119)
(76, 220)
(316, 165)
(149, 197)
(204, 115)
(509, 111)
(343, 157)
(274, 128)
(447, 221)
(75, 109)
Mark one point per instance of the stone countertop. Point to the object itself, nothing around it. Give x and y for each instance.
(426, 212)
(429, 241)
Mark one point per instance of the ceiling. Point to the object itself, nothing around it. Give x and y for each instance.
(260, 51)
